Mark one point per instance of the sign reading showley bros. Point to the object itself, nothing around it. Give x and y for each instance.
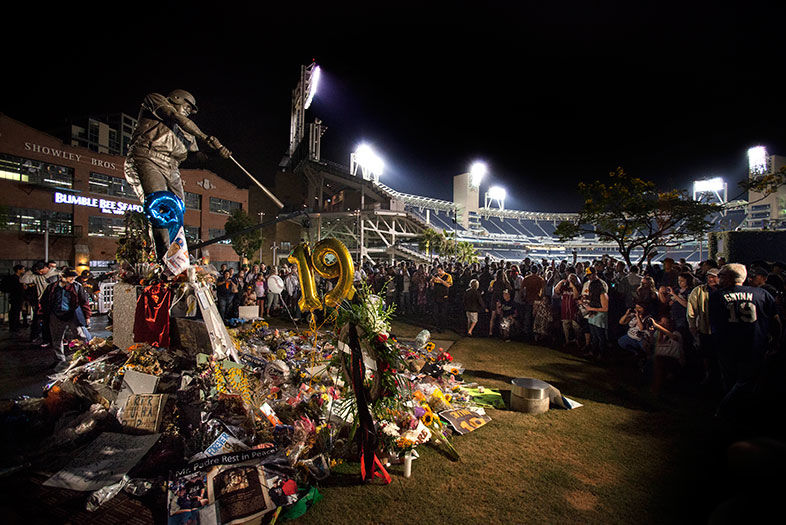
(66, 155)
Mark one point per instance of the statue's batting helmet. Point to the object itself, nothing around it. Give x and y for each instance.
(180, 96)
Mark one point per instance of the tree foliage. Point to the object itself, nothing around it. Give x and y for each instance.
(633, 214)
(247, 243)
(466, 253)
(446, 245)
(766, 184)
(430, 241)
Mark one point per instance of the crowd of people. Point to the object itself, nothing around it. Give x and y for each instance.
(49, 301)
(715, 322)
(275, 290)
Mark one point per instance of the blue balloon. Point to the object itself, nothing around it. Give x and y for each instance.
(165, 210)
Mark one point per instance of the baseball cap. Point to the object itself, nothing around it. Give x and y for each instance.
(713, 271)
(69, 272)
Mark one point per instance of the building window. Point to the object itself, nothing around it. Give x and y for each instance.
(218, 233)
(760, 207)
(192, 234)
(760, 215)
(33, 221)
(106, 185)
(223, 205)
(105, 227)
(35, 172)
(193, 201)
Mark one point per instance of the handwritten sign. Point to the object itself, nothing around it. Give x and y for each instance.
(464, 420)
(143, 411)
(103, 462)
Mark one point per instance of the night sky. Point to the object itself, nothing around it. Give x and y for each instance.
(547, 94)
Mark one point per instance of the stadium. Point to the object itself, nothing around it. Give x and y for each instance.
(379, 223)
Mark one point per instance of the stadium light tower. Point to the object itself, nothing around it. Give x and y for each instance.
(477, 171)
(371, 165)
(715, 187)
(495, 194)
(757, 160)
(302, 96)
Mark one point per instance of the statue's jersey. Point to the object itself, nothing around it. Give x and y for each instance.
(159, 133)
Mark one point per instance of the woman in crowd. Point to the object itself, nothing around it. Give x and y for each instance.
(646, 294)
(496, 289)
(598, 319)
(541, 312)
(260, 289)
(568, 290)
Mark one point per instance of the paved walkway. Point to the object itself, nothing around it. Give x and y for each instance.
(25, 367)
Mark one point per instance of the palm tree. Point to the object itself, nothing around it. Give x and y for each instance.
(466, 252)
(431, 240)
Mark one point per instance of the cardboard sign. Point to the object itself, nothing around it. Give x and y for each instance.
(136, 383)
(143, 411)
(103, 462)
(464, 420)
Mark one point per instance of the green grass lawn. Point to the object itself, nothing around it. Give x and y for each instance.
(618, 459)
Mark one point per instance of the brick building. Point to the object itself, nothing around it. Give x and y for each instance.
(82, 195)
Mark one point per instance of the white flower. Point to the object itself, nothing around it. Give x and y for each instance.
(391, 429)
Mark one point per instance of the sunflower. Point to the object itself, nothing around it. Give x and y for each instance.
(427, 418)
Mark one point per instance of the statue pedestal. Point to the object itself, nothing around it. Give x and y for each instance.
(123, 313)
(190, 335)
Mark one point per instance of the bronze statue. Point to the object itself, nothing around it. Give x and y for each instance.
(163, 137)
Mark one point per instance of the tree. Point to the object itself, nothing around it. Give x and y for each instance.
(430, 240)
(766, 184)
(466, 252)
(247, 243)
(631, 213)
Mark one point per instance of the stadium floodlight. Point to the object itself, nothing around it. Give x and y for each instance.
(715, 186)
(477, 171)
(371, 165)
(498, 194)
(312, 86)
(757, 160)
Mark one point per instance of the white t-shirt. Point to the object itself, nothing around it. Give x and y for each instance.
(275, 284)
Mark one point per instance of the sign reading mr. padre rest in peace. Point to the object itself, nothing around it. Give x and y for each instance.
(144, 411)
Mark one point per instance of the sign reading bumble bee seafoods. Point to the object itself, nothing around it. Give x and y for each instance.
(105, 205)
(464, 420)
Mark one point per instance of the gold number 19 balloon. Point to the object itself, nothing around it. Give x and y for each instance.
(330, 259)
(340, 266)
(309, 300)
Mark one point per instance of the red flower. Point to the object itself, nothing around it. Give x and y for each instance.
(382, 338)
